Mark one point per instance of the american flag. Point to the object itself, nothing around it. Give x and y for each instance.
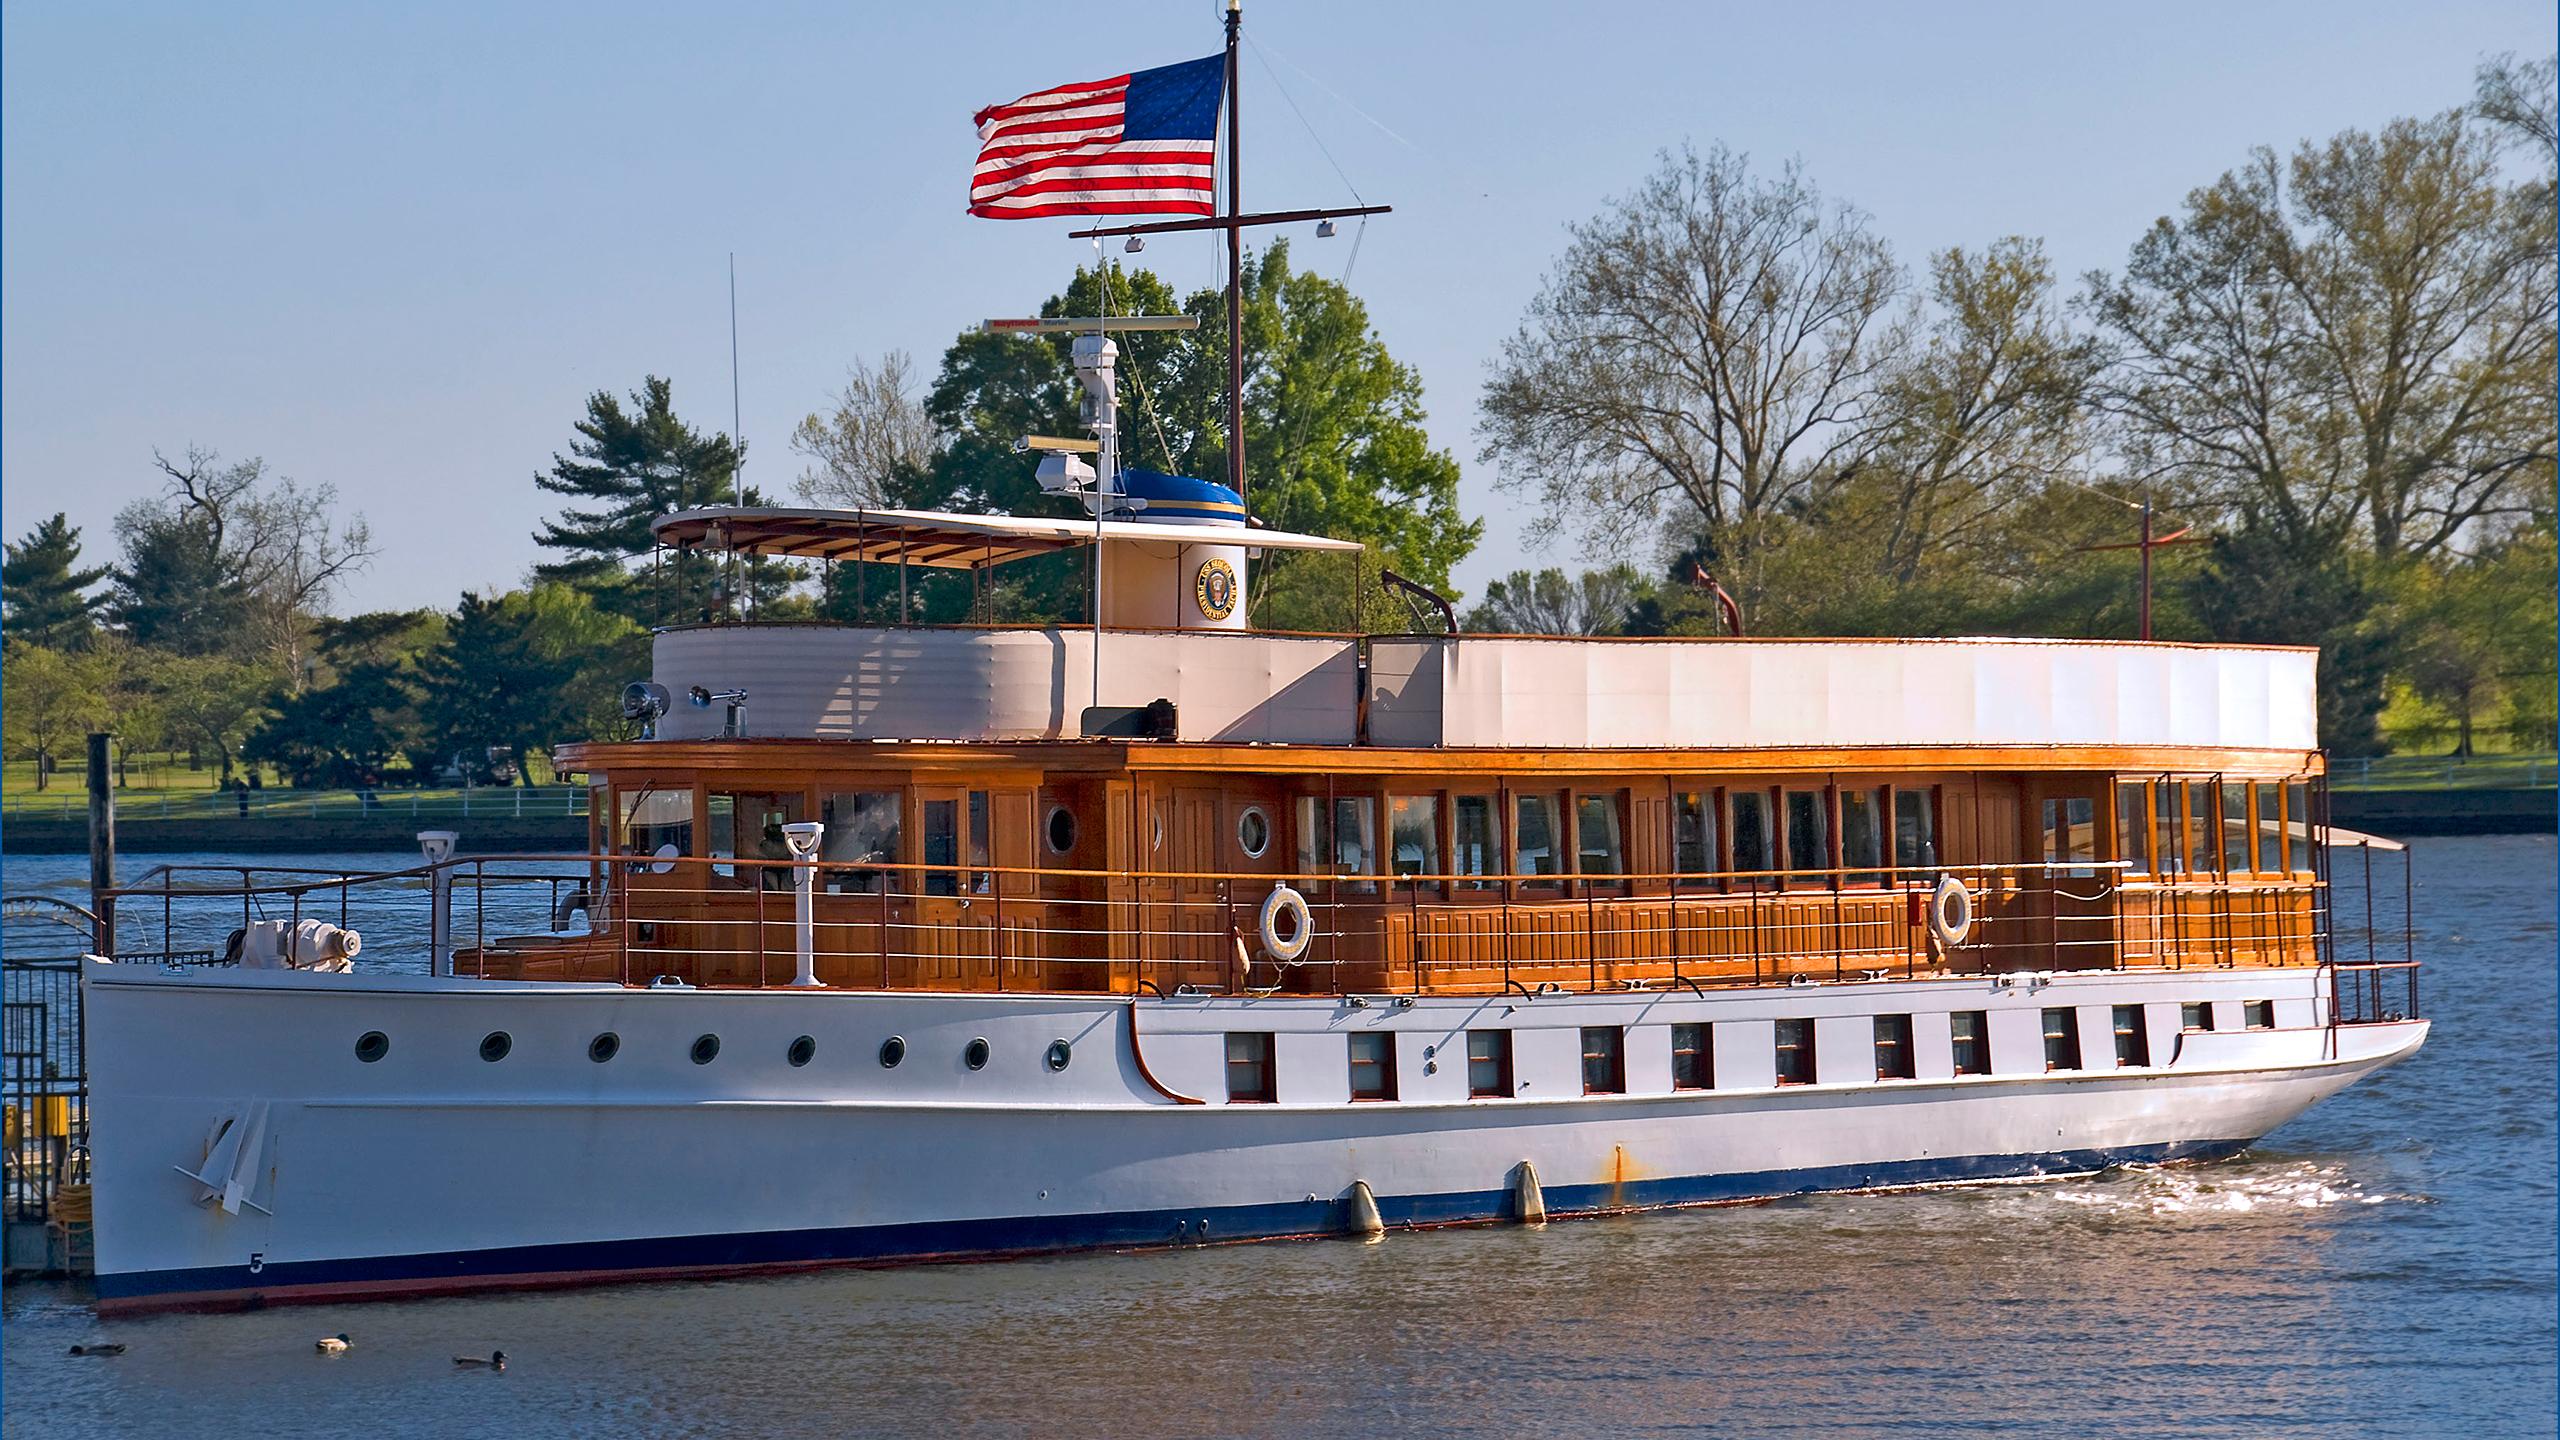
(1139, 144)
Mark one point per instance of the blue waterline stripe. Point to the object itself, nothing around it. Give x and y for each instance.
(1037, 1234)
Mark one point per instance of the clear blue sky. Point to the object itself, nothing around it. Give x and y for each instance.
(393, 248)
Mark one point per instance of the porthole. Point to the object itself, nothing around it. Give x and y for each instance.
(604, 1047)
(802, 1051)
(1253, 831)
(1061, 830)
(975, 1055)
(495, 1045)
(706, 1048)
(892, 1050)
(1060, 1052)
(372, 1045)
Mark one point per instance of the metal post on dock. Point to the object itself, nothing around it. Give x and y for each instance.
(102, 844)
(802, 837)
(438, 846)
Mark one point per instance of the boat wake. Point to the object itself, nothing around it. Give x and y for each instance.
(2277, 1185)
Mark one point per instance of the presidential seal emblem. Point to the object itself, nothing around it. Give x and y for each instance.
(1214, 589)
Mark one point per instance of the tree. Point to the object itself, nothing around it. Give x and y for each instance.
(1548, 602)
(213, 703)
(522, 672)
(230, 561)
(1707, 351)
(2520, 98)
(362, 720)
(50, 703)
(877, 430)
(43, 589)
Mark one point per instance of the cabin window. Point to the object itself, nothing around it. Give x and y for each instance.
(1893, 1048)
(1488, 1064)
(942, 847)
(2258, 1014)
(1340, 839)
(1862, 834)
(862, 832)
(1915, 834)
(1604, 1060)
(1755, 845)
(1808, 835)
(1478, 847)
(2133, 1036)
(2166, 828)
(657, 822)
(2270, 827)
(981, 879)
(2061, 1040)
(1970, 1032)
(1253, 832)
(2195, 1015)
(1536, 836)
(1060, 830)
(1693, 1057)
(748, 826)
(2071, 834)
(1373, 1065)
(1599, 835)
(2133, 830)
(1249, 1070)
(2239, 854)
(1795, 1052)
(1413, 834)
(2201, 850)
(2297, 826)
(1693, 832)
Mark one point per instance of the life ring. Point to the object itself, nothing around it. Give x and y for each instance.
(1284, 901)
(1950, 912)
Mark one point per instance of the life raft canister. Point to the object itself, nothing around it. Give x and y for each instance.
(1301, 928)
(1950, 912)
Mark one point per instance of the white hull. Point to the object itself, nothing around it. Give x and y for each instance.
(432, 1169)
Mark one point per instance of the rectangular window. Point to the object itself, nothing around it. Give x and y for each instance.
(1537, 836)
(1489, 1064)
(942, 846)
(1479, 848)
(1893, 1048)
(2061, 1040)
(2133, 830)
(1599, 843)
(1970, 1030)
(1755, 843)
(2071, 833)
(1340, 838)
(1693, 832)
(748, 826)
(657, 822)
(1795, 1052)
(862, 831)
(1693, 1058)
(2258, 1014)
(1373, 1065)
(1915, 835)
(1250, 1073)
(1862, 834)
(2195, 1015)
(980, 878)
(1604, 1060)
(2270, 827)
(1808, 835)
(2166, 828)
(2297, 828)
(2239, 852)
(2133, 1035)
(2201, 850)
(1413, 834)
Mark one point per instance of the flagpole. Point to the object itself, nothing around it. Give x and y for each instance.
(1235, 272)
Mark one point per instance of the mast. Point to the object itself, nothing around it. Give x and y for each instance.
(1235, 271)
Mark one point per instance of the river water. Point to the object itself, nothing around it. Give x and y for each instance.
(2382, 1266)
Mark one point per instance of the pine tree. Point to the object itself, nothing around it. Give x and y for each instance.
(41, 588)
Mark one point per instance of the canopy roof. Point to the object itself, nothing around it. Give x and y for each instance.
(935, 538)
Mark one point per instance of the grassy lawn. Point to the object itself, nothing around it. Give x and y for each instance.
(159, 786)
(2437, 772)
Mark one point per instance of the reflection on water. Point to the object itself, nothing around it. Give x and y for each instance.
(2383, 1266)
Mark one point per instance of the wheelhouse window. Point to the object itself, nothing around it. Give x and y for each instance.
(1808, 836)
(1693, 832)
(2270, 827)
(1915, 834)
(1604, 1060)
(2061, 1040)
(2201, 850)
(1862, 822)
(1600, 833)
(1489, 1064)
(2297, 827)
(1250, 1073)
(2239, 848)
(1755, 835)
(1795, 1052)
(748, 826)
(981, 879)
(657, 823)
(1373, 1065)
(1475, 840)
(1893, 1048)
(1413, 834)
(2071, 834)
(1693, 1057)
(2167, 828)
(1970, 1034)
(2258, 1014)
(1338, 838)
(861, 834)
(1537, 835)
(2133, 830)
(942, 847)
(2133, 1035)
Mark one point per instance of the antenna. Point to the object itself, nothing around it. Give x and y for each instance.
(737, 427)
